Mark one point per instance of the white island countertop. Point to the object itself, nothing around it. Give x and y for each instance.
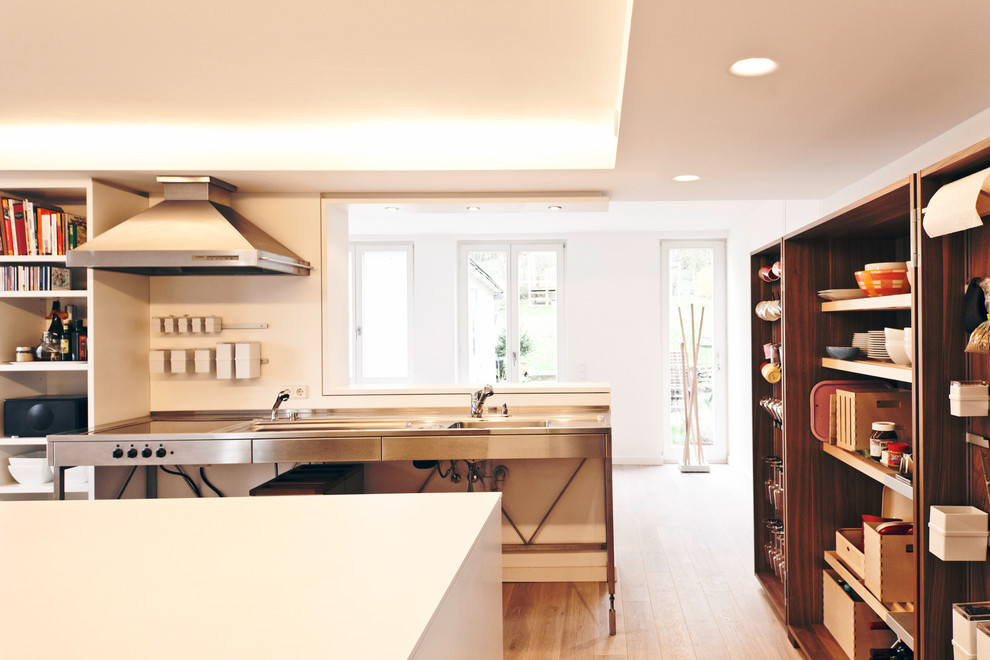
(346, 576)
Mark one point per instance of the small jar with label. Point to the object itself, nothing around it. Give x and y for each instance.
(25, 353)
(883, 434)
(894, 454)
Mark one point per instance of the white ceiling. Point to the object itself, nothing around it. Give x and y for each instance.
(483, 95)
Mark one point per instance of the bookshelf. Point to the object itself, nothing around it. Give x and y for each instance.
(23, 309)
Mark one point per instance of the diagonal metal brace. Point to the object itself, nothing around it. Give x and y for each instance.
(548, 512)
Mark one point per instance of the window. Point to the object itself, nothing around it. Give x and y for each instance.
(511, 311)
(380, 302)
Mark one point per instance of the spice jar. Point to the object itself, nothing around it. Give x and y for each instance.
(894, 454)
(25, 353)
(883, 434)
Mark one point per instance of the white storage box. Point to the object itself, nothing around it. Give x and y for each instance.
(965, 617)
(959, 654)
(250, 368)
(156, 362)
(213, 324)
(983, 641)
(225, 351)
(248, 350)
(957, 546)
(203, 360)
(951, 519)
(197, 324)
(225, 369)
(179, 361)
(969, 398)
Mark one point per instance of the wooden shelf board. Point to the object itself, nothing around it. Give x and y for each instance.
(870, 468)
(874, 368)
(902, 613)
(33, 259)
(900, 301)
(817, 642)
(72, 293)
(31, 489)
(8, 441)
(40, 365)
(774, 590)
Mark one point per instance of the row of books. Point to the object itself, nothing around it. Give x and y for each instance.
(30, 228)
(34, 278)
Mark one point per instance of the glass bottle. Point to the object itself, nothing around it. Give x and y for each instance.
(56, 331)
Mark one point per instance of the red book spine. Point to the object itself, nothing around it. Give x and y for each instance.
(18, 227)
(8, 242)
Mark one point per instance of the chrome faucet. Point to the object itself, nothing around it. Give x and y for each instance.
(282, 396)
(478, 400)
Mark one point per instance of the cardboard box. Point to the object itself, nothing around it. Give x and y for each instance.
(855, 626)
(855, 412)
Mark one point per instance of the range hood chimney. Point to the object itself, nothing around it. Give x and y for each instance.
(193, 232)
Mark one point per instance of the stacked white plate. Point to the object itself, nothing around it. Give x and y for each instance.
(861, 340)
(877, 347)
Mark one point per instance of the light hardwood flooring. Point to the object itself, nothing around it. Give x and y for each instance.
(684, 556)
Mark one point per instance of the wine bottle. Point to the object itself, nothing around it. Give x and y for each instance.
(55, 329)
(68, 332)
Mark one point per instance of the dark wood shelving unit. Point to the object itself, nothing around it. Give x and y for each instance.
(886, 226)
(767, 432)
(826, 255)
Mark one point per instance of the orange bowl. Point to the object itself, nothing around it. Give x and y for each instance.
(887, 282)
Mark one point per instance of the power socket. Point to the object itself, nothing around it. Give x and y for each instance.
(297, 391)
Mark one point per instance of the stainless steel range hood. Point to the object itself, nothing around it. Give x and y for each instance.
(193, 232)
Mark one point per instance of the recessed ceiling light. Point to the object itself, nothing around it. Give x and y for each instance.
(554, 207)
(686, 177)
(753, 66)
(474, 208)
(391, 209)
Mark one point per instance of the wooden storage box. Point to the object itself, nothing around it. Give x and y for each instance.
(886, 565)
(855, 412)
(855, 626)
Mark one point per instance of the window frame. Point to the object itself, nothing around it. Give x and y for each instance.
(512, 248)
(355, 250)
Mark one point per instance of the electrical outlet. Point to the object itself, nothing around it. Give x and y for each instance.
(297, 391)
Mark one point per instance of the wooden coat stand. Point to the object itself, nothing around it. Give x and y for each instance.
(692, 429)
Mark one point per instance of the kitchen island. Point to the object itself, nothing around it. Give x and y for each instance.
(367, 576)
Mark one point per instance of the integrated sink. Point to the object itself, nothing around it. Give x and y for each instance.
(439, 423)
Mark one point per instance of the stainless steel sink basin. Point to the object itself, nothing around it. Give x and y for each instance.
(424, 423)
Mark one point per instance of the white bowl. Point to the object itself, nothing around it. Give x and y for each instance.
(77, 476)
(30, 474)
(30, 458)
(897, 352)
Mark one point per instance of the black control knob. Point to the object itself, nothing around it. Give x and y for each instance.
(132, 453)
(146, 452)
(160, 453)
(118, 453)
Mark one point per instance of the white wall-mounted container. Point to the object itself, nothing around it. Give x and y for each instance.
(957, 546)
(969, 398)
(958, 518)
(965, 618)
(179, 361)
(203, 360)
(156, 362)
(983, 641)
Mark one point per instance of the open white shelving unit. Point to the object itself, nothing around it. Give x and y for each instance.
(22, 318)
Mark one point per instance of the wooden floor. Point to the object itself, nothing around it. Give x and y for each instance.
(685, 579)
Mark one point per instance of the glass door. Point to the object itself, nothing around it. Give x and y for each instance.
(693, 286)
